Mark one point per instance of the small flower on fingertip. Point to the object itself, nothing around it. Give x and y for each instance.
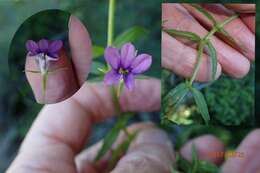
(125, 65)
(44, 51)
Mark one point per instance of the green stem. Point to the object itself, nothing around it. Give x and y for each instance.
(110, 35)
(44, 84)
(199, 60)
(110, 28)
(219, 26)
(202, 43)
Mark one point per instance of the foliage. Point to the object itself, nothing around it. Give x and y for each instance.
(233, 104)
(173, 98)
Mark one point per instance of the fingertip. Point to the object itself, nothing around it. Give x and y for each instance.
(208, 148)
(81, 48)
(60, 83)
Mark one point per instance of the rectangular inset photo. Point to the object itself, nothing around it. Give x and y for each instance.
(208, 53)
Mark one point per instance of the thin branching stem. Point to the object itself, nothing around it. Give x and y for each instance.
(203, 42)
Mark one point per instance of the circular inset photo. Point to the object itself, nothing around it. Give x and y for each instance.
(50, 56)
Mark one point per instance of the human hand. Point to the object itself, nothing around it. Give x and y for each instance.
(56, 140)
(179, 55)
(245, 160)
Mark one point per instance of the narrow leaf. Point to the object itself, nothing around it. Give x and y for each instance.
(201, 103)
(97, 51)
(230, 39)
(130, 35)
(111, 137)
(57, 70)
(177, 93)
(195, 160)
(95, 68)
(205, 13)
(32, 71)
(185, 34)
(207, 166)
(214, 61)
(173, 99)
(121, 149)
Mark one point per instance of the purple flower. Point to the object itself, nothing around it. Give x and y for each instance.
(44, 51)
(50, 49)
(125, 65)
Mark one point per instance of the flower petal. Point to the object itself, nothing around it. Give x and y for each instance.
(141, 63)
(112, 77)
(127, 54)
(112, 57)
(52, 58)
(43, 45)
(129, 81)
(55, 46)
(32, 47)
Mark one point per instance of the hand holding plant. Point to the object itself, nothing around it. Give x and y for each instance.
(219, 48)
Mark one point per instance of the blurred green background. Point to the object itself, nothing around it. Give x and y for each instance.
(18, 112)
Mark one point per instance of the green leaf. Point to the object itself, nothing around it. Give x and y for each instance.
(177, 94)
(173, 99)
(207, 166)
(185, 34)
(97, 51)
(112, 135)
(201, 103)
(230, 39)
(95, 68)
(121, 149)
(32, 71)
(195, 160)
(214, 61)
(205, 13)
(130, 35)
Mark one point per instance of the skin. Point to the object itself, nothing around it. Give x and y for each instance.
(63, 83)
(56, 140)
(245, 8)
(232, 62)
(237, 29)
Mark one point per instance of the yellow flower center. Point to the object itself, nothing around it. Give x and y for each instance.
(123, 71)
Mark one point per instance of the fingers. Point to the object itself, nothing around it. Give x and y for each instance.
(151, 152)
(60, 130)
(249, 20)
(60, 83)
(181, 59)
(242, 8)
(248, 159)
(208, 148)
(236, 28)
(81, 48)
(144, 97)
(88, 155)
(232, 62)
